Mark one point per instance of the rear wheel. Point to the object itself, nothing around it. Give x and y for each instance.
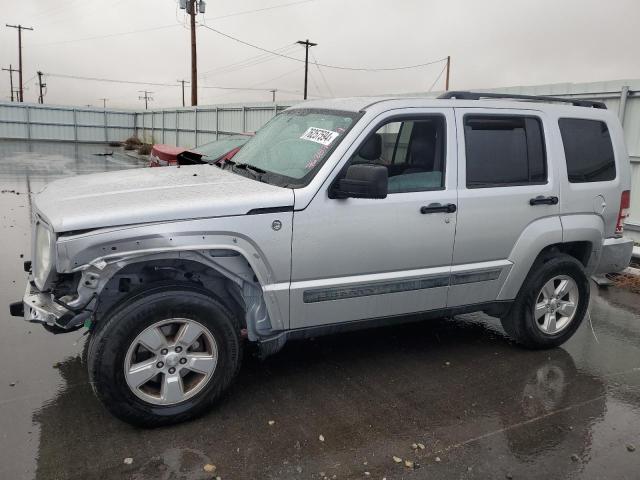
(551, 303)
(164, 356)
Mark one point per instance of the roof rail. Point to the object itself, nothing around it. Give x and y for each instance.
(463, 95)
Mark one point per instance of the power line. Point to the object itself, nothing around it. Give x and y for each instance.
(153, 84)
(245, 12)
(249, 61)
(109, 35)
(324, 79)
(337, 67)
(437, 78)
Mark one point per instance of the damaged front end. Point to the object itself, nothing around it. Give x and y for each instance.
(59, 309)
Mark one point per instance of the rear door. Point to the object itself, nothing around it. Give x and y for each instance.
(506, 183)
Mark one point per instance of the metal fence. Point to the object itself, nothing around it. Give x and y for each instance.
(26, 121)
(188, 127)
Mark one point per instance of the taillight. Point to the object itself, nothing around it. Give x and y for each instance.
(625, 204)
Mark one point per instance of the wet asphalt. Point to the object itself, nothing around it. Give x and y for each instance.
(474, 404)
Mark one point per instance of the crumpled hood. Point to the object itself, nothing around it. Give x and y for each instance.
(151, 195)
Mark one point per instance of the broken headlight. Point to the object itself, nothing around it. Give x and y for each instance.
(42, 255)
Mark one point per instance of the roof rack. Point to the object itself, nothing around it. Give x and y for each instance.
(463, 95)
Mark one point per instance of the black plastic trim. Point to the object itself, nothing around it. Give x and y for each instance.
(260, 211)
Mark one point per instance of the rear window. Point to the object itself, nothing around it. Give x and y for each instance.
(504, 151)
(588, 150)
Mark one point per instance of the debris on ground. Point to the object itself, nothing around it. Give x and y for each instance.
(209, 468)
(321, 438)
(12, 384)
(626, 281)
(409, 464)
(397, 459)
(421, 446)
(132, 143)
(15, 192)
(631, 448)
(575, 457)
(145, 149)
(128, 461)
(437, 459)
(414, 446)
(271, 422)
(105, 154)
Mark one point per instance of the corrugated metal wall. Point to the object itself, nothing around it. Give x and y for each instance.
(27, 121)
(191, 126)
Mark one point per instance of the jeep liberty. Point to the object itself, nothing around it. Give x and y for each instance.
(338, 214)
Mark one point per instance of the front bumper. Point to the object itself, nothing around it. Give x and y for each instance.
(39, 307)
(615, 256)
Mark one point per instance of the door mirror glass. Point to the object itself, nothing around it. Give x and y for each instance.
(362, 181)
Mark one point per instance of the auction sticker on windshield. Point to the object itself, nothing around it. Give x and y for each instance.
(319, 135)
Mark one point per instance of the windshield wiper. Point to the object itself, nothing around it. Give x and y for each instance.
(256, 172)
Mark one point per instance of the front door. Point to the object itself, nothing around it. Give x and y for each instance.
(355, 259)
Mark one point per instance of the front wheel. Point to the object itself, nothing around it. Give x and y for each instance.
(551, 303)
(164, 356)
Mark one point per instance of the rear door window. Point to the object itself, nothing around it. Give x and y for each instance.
(504, 150)
(588, 150)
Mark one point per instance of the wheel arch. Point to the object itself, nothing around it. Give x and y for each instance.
(545, 237)
(226, 273)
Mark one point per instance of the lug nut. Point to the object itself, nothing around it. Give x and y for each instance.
(160, 364)
(178, 349)
(172, 370)
(183, 361)
(164, 351)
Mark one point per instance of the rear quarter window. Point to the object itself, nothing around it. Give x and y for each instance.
(588, 150)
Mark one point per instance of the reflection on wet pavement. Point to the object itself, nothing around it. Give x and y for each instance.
(481, 407)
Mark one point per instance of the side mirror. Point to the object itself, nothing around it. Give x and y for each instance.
(363, 180)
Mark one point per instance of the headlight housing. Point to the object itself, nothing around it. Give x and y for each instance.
(43, 255)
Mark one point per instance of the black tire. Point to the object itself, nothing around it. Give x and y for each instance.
(118, 329)
(519, 323)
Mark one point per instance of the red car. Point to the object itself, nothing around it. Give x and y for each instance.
(223, 149)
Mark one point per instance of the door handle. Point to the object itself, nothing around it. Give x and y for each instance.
(438, 208)
(540, 200)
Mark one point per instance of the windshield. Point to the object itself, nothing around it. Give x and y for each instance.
(294, 144)
(214, 150)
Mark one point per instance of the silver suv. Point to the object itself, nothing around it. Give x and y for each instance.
(339, 214)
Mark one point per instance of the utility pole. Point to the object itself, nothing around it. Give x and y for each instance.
(182, 82)
(307, 44)
(273, 95)
(104, 102)
(146, 98)
(446, 83)
(193, 7)
(41, 85)
(10, 70)
(20, 28)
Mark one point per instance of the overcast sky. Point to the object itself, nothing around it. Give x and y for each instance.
(491, 42)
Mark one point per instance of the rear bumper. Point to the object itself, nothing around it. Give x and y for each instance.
(615, 256)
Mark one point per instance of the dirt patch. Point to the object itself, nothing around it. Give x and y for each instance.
(626, 281)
